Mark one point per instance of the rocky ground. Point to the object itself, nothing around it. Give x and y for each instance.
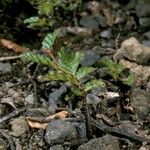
(36, 116)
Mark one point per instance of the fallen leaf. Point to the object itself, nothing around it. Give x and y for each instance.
(41, 123)
(37, 125)
(12, 46)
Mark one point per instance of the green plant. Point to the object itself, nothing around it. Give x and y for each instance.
(46, 10)
(116, 70)
(65, 68)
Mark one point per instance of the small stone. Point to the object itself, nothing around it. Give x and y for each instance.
(57, 147)
(19, 126)
(146, 43)
(89, 22)
(147, 35)
(144, 22)
(90, 57)
(140, 102)
(106, 34)
(5, 67)
(107, 142)
(142, 8)
(30, 99)
(60, 131)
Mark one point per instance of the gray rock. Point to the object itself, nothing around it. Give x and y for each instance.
(93, 99)
(5, 67)
(107, 142)
(101, 20)
(146, 43)
(142, 8)
(89, 22)
(90, 57)
(55, 98)
(57, 147)
(60, 131)
(30, 99)
(106, 34)
(147, 35)
(37, 112)
(19, 126)
(133, 51)
(140, 102)
(144, 22)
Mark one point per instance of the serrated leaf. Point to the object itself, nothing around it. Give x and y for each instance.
(70, 61)
(59, 76)
(119, 68)
(35, 22)
(49, 40)
(83, 71)
(41, 59)
(31, 19)
(129, 80)
(54, 75)
(94, 83)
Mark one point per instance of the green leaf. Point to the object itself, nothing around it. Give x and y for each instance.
(54, 75)
(119, 68)
(41, 59)
(94, 83)
(49, 40)
(70, 61)
(35, 22)
(129, 80)
(83, 71)
(31, 19)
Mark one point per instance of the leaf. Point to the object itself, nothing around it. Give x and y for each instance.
(46, 7)
(31, 19)
(129, 80)
(49, 40)
(55, 75)
(41, 59)
(120, 68)
(35, 22)
(94, 83)
(58, 76)
(13, 46)
(70, 60)
(83, 71)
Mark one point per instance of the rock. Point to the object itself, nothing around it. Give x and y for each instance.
(132, 50)
(142, 8)
(19, 126)
(5, 67)
(106, 34)
(101, 21)
(146, 43)
(89, 22)
(147, 35)
(57, 147)
(139, 71)
(93, 100)
(55, 98)
(90, 57)
(3, 144)
(60, 131)
(144, 22)
(30, 99)
(107, 142)
(140, 102)
(37, 112)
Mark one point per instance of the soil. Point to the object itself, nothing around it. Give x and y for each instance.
(119, 114)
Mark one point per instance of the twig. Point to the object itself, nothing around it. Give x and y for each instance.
(13, 114)
(10, 57)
